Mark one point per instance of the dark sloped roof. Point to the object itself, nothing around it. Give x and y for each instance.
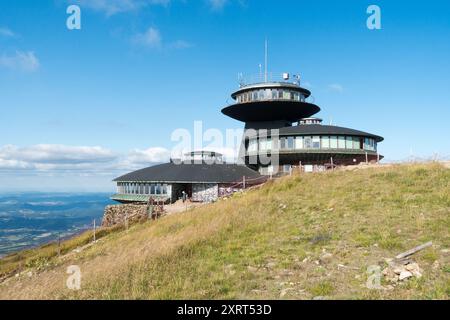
(191, 172)
(270, 110)
(318, 129)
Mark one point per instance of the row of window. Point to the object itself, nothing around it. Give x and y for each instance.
(270, 94)
(142, 188)
(312, 142)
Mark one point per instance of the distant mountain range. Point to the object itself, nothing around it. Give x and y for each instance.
(31, 219)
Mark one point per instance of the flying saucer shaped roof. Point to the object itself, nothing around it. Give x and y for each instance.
(191, 173)
(271, 111)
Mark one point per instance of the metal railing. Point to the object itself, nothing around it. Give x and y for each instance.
(246, 80)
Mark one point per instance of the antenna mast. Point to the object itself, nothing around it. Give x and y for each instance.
(265, 61)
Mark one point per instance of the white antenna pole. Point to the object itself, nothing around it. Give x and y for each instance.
(265, 61)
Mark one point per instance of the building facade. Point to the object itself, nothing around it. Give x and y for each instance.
(280, 131)
(202, 176)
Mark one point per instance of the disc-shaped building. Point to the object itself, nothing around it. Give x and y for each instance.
(280, 131)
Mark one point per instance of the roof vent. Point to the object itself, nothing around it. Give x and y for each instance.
(310, 121)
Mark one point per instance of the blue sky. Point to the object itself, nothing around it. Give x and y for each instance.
(79, 107)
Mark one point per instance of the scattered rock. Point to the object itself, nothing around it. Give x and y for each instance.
(401, 270)
(405, 275)
(398, 270)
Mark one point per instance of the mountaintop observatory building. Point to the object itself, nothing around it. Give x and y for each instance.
(279, 124)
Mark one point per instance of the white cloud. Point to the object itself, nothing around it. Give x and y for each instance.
(111, 7)
(52, 154)
(146, 157)
(23, 61)
(5, 32)
(217, 5)
(151, 38)
(79, 160)
(335, 87)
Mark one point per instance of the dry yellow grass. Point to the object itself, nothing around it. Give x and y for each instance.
(270, 243)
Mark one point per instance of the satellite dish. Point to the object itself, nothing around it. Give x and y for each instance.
(285, 76)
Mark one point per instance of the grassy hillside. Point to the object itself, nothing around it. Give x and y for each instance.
(295, 238)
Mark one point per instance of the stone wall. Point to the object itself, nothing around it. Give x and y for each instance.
(205, 192)
(118, 214)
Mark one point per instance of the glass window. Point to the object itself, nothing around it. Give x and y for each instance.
(283, 143)
(255, 95)
(333, 142)
(296, 96)
(261, 94)
(286, 168)
(268, 143)
(366, 143)
(348, 142)
(307, 142)
(325, 142)
(290, 142)
(316, 142)
(341, 142)
(252, 146)
(268, 94)
(372, 144)
(286, 95)
(152, 189)
(265, 144)
(355, 143)
(299, 143)
(274, 93)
